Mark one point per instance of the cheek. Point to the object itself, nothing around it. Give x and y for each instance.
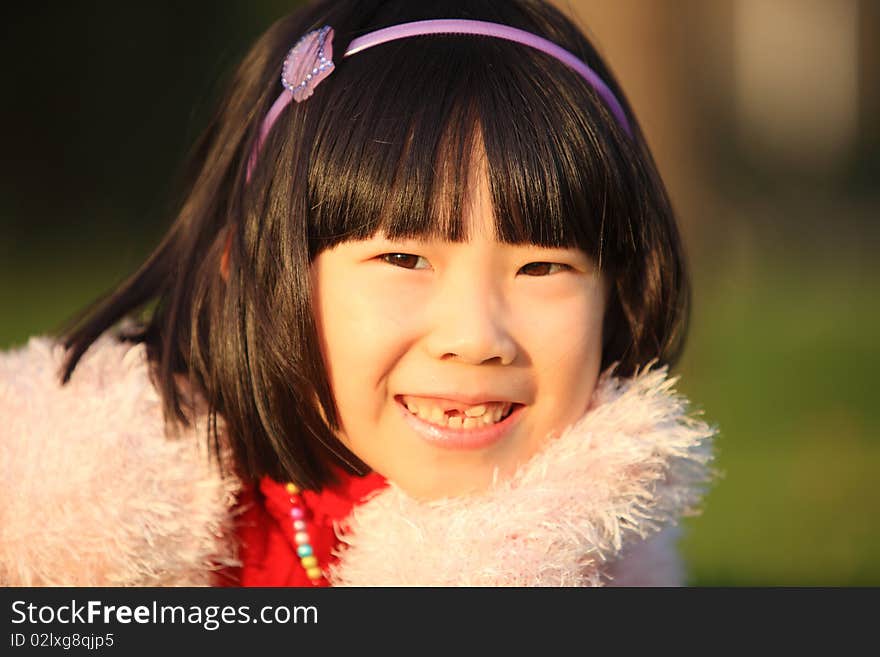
(565, 347)
(364, 328)
(364, 331)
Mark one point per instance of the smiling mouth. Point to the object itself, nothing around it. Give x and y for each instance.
(445, 415)
(496, 422)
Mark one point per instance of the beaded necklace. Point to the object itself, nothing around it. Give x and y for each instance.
(304, 549)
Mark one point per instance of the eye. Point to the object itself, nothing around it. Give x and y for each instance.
(405, 260)
(543, 268)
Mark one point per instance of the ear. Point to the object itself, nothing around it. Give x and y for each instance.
(224, 259)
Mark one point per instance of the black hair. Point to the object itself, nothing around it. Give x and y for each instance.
(385, 142)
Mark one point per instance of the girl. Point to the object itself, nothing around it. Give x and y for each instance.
(385, 305)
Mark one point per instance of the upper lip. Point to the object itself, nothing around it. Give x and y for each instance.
(463, 399)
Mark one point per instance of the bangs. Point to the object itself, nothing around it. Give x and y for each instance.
(402, 124)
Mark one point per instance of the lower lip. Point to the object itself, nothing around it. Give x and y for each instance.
(476, 438)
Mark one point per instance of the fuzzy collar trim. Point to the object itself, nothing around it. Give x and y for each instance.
(94, 493)
(634, 464)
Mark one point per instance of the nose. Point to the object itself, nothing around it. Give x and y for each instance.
(470, 324)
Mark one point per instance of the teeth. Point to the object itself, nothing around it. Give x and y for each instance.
(430, 414)
(475, 411)
(476, 416)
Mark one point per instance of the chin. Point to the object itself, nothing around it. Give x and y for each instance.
(452, 481)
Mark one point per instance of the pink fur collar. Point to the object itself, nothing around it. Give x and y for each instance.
(93, 493)
(634, 464)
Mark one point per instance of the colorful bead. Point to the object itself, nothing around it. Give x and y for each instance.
(301, 537)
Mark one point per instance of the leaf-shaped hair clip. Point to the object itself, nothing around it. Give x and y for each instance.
(308, 62)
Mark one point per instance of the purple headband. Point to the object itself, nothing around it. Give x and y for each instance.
(311, 60)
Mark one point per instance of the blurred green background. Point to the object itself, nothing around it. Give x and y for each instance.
(763, 118)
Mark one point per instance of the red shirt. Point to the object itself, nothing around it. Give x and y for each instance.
(265, 530)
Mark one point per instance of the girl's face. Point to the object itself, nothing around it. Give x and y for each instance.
(448, 360)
